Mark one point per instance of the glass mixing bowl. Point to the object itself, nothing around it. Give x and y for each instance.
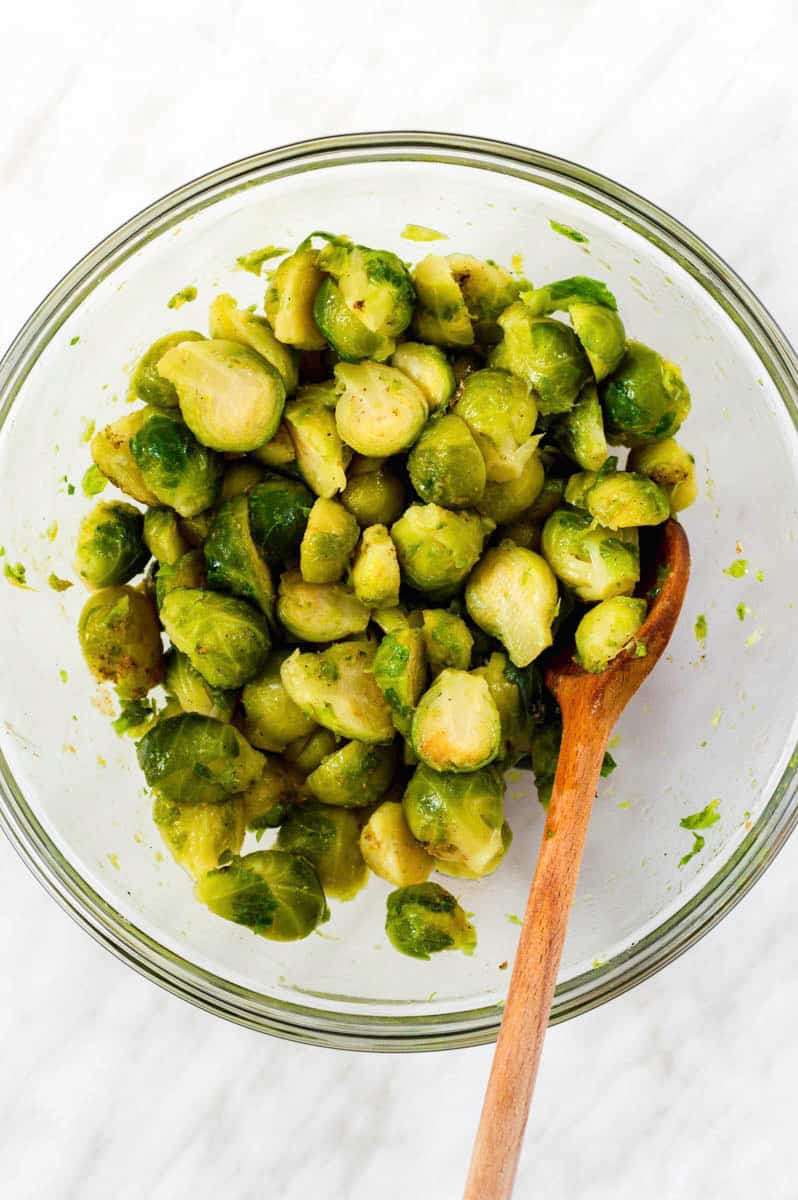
(715, 721)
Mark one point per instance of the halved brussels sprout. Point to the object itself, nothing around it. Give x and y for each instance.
(231, 398)
(670, 466)
(512, 595)
(645, 399)
(373, 494)
(380, 411)
(400, 671)
(308, 752)
(346, 333)
(447, 640)
(337, 688)
(458, 870)
(279, 451)
(580, 432)
(375, 571)
(546, 354)
(390, 619)
(121, 640)
(373, 284)
(192, 759)
(441, 316)
(606, 628)
(275, 894)
(321, 456)
(623, 500)
(561, 295)
(458, 818)
(429, 368)
(187, 572)
(446, 464)
(504, 502)
(163, 537)
(424, 919)
(456, 725)
(196, 529)
(437, 548)
(110, 548)
(487, 290)
(278, 514)
(271, 719)
(226, 639)
(594, 562)
(390, 850)
(173, 464)
(230, 323)
(232, 559)
(318, 612)
(197, 835)
(289, 300)
(578, 487)
(354, 775)
(518, 695)
(269, 799)
(551, 494)
(501, 414)
(603, 337)
(329, 838)
(110, 449)
(241, 476)
(145, 382)
(193, 693)
(330, 536)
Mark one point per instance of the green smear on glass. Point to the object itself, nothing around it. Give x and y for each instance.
(184, 296)
(742, 611)
(58, 585)
(93, 482)
(700, 628)
(568, 232)
(698, 846)
(253, 261)
(708, 817)
(51, 532)
(421, 233)
(15, 574)
(760, 576)
(513, 919)
(74, 341)
(88, 430)
(738, 569)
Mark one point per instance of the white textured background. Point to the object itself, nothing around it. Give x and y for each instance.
(109, 1088)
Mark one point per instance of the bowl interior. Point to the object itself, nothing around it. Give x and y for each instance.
(715, 721)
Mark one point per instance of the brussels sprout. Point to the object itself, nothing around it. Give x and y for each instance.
(670, 466)
(178, 470)
(373, 494)
(187, 572)
(390, 619)
(269, 799)
(458, 818)
(321, 456)
(230, 323)
(424, 919)
(329, 838)
(375, 571)
(606, 628)
(193, 693)
(580, 433)
(446, 464)
(192, 759)
(562, 295)
(330, 536)
(374, 286)
(523, 531)
(400, 670)
(518, 695)
(275, 894)
(544, 757)
(546, 354)
(196, 529)
(644, 400)
(430, 370)
(355, 775)
(390, 850)
(456, 725)
(487, 290)
(459, 870)
(318, 612)
(163, 537)
(380, 411)
(441, 316)
(289, 300)
(622, 500)
(232, 559)
(278, 451)
(603, 337)
(225, 638)
(241, 476)
(437, 548)
(577, 488)
(337, 688)
(231, 398)
(197, 835)
(551, 494)
(501, 414)
(110, 449)
(306, 753)
(121, 640)
(110, 547)
(512, 595)
(594, 562)
(272, 720)
(348, 336)
(145, 382)
(447, 640)
(504, 502)
(278, 513)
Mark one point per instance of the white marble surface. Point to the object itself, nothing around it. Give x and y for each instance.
(111, 1088)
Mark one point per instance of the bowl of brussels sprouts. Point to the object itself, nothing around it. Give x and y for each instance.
(340, 440)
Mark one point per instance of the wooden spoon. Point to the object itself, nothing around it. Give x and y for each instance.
(590, 704)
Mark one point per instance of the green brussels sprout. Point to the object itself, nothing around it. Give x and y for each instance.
(400, 670)
(163, 537)
(622, 500)
(456, 725)
(390, 850)
(329, 838)
(594, 562)
(321, 456)
(501, 414)
(197, 835)
(191, 759)
(232, 559)
(645, 399)
(225, 638)
(423, 919)
(670, 466)
(375, 571)
(330, 536)
(430, 370)
(289, 300)
(346, 333)
(544, 757)
(459, 870)
(447, 640)
(551, 494)
(504, 502)
(437, 548)
(271, 719)
(441, 316)
(337, 688)
(374, 286)
(178, 470)
(564, 293)
(278, 452)
(353, 776)
(446, 464)
(241, 476)
(380, 411)
(577, 488)
(518, 695)
(146, 384)
(231, 398)
(230, 323)
(603, 337)
(110, 450)
(110, 548)
(546, 354)
(487, 290)
(512, 595)
(318, 612)
(269, 799)
(195, 529)
(275, 894)
(580, 432)
(374, 495)
(458, 818)
(193, 693)
(606, 628)
(308, 752)
(278, 513)
(187, 572)
(121, 640)
(390, 619)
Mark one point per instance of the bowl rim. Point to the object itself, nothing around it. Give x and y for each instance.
(662, 944)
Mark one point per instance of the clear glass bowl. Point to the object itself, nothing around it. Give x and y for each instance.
(716, 719)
